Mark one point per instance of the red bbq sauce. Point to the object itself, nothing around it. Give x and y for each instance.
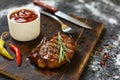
(23, 16)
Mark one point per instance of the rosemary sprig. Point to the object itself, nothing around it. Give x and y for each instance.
(62, 49)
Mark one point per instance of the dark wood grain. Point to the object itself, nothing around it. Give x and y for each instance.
(69, 71)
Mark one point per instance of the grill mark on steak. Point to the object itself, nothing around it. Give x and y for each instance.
(53, 44)
(51, 47)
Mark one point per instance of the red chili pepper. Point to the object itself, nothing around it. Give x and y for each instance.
(17, 52)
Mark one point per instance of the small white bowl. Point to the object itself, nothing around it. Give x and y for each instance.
(24, 31)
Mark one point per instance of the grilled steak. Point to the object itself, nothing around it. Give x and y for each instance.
(47, 53)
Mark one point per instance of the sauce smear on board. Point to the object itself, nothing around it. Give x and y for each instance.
(23, 16)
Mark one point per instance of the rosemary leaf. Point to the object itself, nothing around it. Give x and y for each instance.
(61, 55)
(62, 49)
(65, 48)
(67, 58)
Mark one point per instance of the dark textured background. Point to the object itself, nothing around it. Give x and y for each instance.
(107, 11)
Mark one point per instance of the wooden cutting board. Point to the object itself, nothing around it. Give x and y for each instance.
(69, 71)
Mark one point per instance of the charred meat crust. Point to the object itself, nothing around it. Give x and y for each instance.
(46, 53)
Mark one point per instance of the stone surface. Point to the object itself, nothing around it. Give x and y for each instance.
(107, 50)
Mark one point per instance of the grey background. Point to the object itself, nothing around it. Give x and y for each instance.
(107, 11)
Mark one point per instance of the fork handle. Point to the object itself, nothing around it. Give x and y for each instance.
(45, 6)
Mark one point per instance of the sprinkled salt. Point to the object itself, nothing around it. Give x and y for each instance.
(116, 43)
(118, 37)
(108, 2)
(112, 21)
(116, 77)
(92, 8)
(118, 60)
(81, 1)
(27, 59)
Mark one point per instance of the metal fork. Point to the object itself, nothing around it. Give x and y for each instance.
(65, 28)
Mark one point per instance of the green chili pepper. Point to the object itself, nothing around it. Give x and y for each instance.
(3, 51)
